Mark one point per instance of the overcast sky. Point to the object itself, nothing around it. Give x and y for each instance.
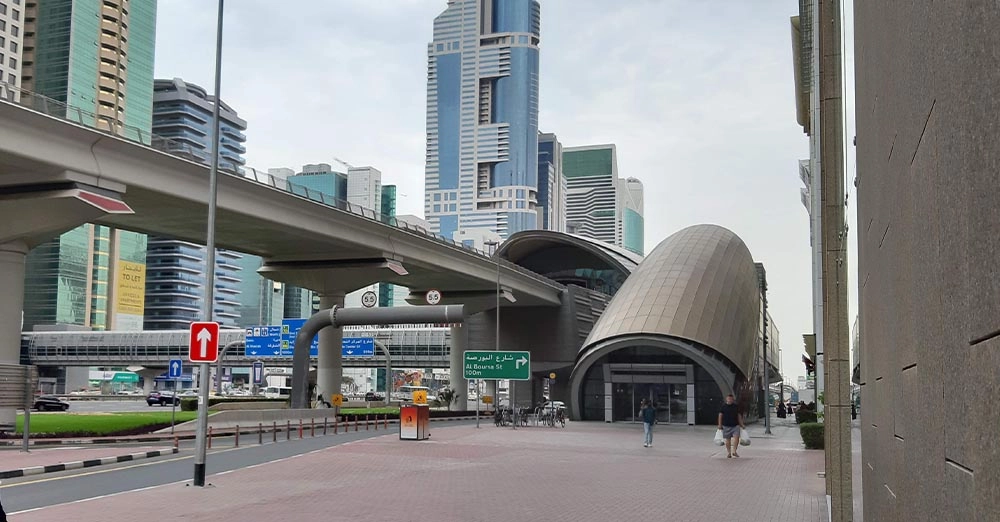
(698, 96)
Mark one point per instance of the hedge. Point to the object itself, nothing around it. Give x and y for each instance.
(191, 403)
(805, 416)
(812, 434)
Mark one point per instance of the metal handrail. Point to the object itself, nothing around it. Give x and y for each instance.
(57, 109)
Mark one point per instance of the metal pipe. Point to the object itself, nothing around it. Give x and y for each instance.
(209, 304)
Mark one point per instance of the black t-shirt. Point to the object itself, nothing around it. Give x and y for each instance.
(730, 414)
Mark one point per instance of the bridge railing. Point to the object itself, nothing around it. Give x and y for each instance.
(59, 109)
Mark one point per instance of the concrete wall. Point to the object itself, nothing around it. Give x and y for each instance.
(928, 156)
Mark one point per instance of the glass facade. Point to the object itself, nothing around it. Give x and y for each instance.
(589, 163)
(329, 183)
(633, 233)
(482, 118)
(262, 301)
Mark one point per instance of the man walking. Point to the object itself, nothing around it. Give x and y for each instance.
(730, 422)
(648, 414)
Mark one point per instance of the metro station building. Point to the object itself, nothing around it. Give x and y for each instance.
(683, 327)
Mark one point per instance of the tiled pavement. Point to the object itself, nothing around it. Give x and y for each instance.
(586, 471)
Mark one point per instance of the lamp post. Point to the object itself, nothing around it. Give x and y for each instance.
(496, 256)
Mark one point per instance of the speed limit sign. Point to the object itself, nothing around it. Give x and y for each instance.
(369, 299)
(433, 297)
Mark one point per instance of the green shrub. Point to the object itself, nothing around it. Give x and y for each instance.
(805, 416)
(189, 404)
(812, 434)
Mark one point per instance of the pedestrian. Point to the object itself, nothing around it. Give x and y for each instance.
(730, 422)
(648, 414)
(781, 410)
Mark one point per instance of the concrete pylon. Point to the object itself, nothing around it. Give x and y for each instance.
(148, 378)
(459, 344)
(329, 365)
(12, 259)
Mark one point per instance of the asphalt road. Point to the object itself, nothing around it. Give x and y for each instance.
(68, 486)
(111, 406)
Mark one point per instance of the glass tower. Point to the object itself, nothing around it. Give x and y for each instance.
(96, 57)
(175, 283)
(599, 204)
(482, 117)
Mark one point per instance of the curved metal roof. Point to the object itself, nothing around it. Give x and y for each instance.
(523, 244)
(700, 285)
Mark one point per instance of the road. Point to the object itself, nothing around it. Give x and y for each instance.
(33, 492)
(111, 406)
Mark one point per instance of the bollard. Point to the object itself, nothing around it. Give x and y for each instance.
(312, 427)
(260, 433)
(367, 422)
(355, 422)
(288, 430)
(274, 431)
(209, 437)
(177, 443)
(336, 424)
(325, 421)
(376, 422)
(300, 429)
(237, 436)
(385, 421)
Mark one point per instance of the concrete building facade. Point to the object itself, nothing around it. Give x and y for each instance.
(12, 17)
(928, 168)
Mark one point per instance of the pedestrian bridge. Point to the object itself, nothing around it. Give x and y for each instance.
(409, 347)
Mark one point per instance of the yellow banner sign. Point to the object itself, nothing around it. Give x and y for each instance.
(131, 288)
(420, 397)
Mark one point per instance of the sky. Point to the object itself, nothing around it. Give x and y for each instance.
(697, 96)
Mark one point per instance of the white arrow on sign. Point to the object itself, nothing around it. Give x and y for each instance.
(176, 368)
(204, 336)
(519, 362)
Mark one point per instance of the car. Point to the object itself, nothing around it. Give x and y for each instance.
(50, 403)
(162, 398)
(374, 397)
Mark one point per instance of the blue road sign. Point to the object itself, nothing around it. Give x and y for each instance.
(175, 369)
(358, 347)
(289, 329)
(263, 341)
(258, 372)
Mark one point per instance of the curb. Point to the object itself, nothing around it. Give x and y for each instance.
(52, 468)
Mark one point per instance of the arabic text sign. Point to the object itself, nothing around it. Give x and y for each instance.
(358, 347)
(497, 365)
(263, 341)
(289, 329)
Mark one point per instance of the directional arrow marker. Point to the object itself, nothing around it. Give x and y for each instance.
(204, 342)
(522, 360)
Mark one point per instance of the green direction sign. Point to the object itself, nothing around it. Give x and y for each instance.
(125, 377)
(497, 365)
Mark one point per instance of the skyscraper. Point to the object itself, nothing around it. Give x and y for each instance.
(97, 58)
(551, 184)
(11, 35)
(482, 117)
(599, 204)
(175, 280)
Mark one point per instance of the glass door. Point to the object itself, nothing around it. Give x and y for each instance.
(678, 403)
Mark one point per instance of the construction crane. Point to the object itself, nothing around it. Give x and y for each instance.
(342, 162)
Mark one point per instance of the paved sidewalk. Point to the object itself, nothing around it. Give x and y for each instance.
(584, 472)
(16, 463)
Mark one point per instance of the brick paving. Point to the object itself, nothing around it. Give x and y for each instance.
(584, 472)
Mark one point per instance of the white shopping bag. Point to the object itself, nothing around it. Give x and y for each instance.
(719, 441)
(744, 437)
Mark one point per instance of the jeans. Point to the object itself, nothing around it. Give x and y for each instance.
(647, 428)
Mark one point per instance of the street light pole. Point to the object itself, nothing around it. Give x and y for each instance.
(209, 304)
(496, 256)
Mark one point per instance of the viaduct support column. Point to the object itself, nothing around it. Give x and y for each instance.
(329, 365)
(459, 344)
(12, 260)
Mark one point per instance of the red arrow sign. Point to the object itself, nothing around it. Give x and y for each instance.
(204, 342)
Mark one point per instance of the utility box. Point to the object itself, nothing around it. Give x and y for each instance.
(414, 422)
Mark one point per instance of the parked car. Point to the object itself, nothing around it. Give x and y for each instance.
(162, 399)
(374, 397)
(50, 403)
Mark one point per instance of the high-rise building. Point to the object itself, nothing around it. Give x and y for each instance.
(11, 47)
(551, 184)
(599, 204)
(482, 117)
(319, 177)
(175, 284)
(97, 58)
(262, 301)
(364, 188)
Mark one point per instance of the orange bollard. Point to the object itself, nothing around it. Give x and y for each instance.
(355, 422)
(385, 421)
(336, 424)
(367, 422)
(177, 443)
(300, 429)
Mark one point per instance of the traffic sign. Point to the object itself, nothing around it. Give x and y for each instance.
(258, 372)
(262, 341)
(289, 330)
(337, 400)
(369, 299)
(433, 297)
(420, 397)
(358, 347)
(497, 365)
(175, 369)
(203, 345)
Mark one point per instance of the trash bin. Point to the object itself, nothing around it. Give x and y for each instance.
(414, 421)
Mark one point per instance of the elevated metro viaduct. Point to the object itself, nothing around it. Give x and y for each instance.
(56, 174)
